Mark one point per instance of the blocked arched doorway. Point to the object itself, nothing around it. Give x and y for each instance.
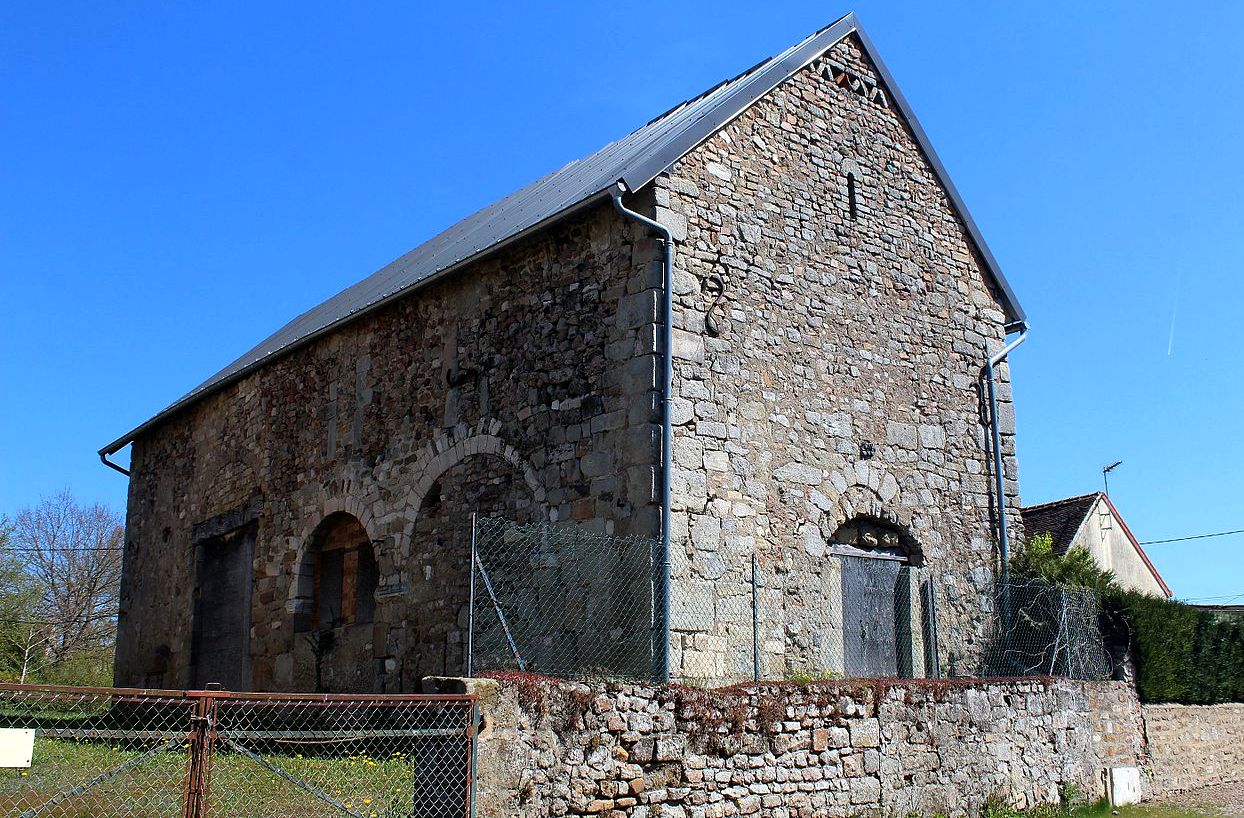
(334, 607)
(880, 599)
(434, 618)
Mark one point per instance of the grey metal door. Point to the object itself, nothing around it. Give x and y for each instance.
(220, 640)
(868, 593)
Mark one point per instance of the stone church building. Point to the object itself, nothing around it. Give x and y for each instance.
(760, 325)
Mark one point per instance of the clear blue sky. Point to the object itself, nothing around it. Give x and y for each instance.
(179, 179)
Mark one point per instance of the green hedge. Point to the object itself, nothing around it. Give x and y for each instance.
(1184, 655)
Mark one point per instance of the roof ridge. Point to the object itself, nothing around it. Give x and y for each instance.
(1049, 503)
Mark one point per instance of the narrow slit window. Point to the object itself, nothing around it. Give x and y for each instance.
(852, 206)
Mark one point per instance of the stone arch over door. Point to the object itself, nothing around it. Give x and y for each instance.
(454, 447)
(464, 471)
(814, 616)
(883, 502)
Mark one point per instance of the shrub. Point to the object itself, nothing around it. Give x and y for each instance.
(1184, 655)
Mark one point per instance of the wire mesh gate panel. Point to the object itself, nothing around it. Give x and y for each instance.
(150, 754)
(561, 600)
(96, 752)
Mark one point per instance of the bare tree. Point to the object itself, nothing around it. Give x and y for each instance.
(71, 555)
(21, 639)
(28, 645)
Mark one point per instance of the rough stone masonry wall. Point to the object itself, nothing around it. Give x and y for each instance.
(521, 386)
(786, 751)
(1194, 745)
(832, 332)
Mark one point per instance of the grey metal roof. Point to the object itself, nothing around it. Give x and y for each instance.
(634, 160)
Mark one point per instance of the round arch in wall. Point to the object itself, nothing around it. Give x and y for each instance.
(337, 575)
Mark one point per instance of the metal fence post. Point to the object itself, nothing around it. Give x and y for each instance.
(199, 762)
(470, 645)
(474, 751)
(1063, 637)
(935, 659)
(755, 625)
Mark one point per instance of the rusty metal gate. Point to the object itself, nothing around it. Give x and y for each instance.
(78, 752)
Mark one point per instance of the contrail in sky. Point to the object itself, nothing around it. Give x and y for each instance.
(1179, 276)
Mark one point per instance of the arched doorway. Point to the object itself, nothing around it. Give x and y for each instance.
(438, 564)
(334, 607)
(879, 599)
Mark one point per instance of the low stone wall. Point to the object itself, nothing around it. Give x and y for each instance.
(795, 751)
(1194, 745)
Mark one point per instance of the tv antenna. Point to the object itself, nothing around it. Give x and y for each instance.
(1105, 473)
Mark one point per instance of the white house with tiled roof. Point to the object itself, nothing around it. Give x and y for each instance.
(1091, 522)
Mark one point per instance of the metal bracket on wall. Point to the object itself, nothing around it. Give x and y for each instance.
(715, 286)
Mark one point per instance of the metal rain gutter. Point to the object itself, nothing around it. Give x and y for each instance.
(103, 456)
(661, 631)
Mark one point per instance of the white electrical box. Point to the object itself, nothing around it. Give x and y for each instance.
(1125, 786)
(16, 747)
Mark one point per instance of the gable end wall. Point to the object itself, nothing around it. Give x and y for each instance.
(834, 332)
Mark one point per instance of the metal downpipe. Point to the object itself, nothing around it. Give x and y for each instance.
(991, 361)
(662, 629)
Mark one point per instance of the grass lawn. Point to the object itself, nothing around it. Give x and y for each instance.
(1156, 811)
(240, 786)
(1165, 811)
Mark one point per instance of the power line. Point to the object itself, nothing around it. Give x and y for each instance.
(70, 549)
(1226, 597)
(1194, 537)
(66, 622)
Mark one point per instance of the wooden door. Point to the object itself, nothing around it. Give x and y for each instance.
(220, 638)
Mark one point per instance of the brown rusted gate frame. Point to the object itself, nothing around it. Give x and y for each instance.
(199, 755)
(201, 735)
(202, 739)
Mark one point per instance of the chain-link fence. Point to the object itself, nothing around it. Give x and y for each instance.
(1041, 628)
(561, 600)
(79, 753)
(568, 602)
(72, 753)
